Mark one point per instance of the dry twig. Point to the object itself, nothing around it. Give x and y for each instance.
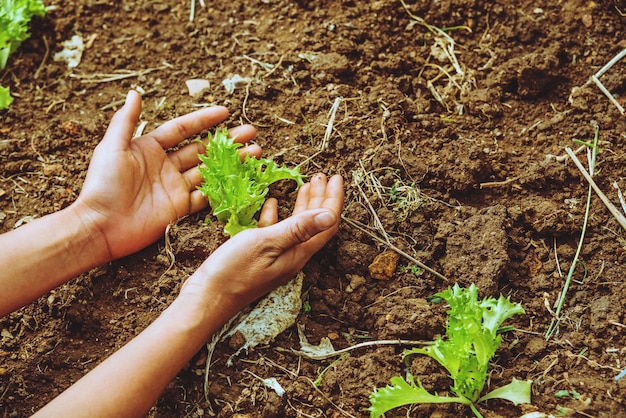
(621, 219)
(120, 75)
(596, 80)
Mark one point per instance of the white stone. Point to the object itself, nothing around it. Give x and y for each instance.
(197, 87)
(72, 51)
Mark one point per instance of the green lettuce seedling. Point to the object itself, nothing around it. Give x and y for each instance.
(15, 15)
(5, 98)
(236, 190)
(472, 339)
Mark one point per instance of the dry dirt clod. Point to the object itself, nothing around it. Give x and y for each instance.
(384, 265)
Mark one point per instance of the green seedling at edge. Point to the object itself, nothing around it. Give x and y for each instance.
(15, 17)
(236, 190)
(472, 338)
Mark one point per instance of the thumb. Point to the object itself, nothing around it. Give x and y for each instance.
(302, 227)
(123, 123)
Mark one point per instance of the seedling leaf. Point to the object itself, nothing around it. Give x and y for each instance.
(402, 393)
(5, 98)
(472, 338)
(15, 16)
(518, 391)
(236, 190)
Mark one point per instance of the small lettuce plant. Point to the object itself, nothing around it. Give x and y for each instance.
(236, 190)
(15, 16)
(472, 339)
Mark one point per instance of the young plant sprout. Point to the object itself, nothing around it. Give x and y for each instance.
(236, 190)
(15, 16)
(472, 339)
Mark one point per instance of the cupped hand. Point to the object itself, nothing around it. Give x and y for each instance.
(135, 188)
(255, 261)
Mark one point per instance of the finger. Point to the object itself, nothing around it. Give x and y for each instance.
(193, 178)
(333, 200)
(302, 229)
(120, 130)
(302, 199)
(313, 196)
(187, 156)
(243, 133)
(197, 201)
(269, 213)
(252, 150)
(173, 132)
(317, 193)
(335, 195)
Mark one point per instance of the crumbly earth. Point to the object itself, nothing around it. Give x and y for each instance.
(452, 158)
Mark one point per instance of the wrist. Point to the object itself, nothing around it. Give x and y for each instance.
(204, 307)
(91, 230)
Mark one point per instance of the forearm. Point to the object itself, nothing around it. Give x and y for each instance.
(44, 254)
(135, 376)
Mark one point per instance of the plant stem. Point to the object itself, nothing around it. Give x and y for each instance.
(556, 320)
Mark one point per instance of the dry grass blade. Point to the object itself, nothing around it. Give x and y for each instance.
(331, 121)
(361, 176)
(447, 46)
(356, 175)
(396, 249)
(620, 196)
(596, 80)
(459, 79)
(410, 343)
(621, 219)
(120, 75)
(211, 349)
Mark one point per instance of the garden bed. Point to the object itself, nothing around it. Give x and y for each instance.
(452, 147)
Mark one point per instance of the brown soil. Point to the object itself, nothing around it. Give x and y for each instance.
(465, 184)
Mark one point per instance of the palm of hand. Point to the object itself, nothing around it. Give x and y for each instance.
(138, 191)
(134, 188)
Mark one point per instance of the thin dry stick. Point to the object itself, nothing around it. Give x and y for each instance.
(596, 79)
(616, 213)
(377, 223)
(490, 184)
(611, 63)
(396, 249)
(245, 104)
(312, 356)
(448, 49)
(608, 94)
(192, 11)
(168, 250)
(211, 349)
(345, 413)
(105, 78)
(45, 58)
(120, 102)
(331, 120)
(620, 196)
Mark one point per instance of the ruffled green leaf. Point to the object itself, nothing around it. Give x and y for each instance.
(5, 97)
(15, 16)
(465, 351)
(518, 391)
(237, 190)
(401, 393)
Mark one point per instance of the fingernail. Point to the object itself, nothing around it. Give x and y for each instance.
(325, 220)
(127, 97)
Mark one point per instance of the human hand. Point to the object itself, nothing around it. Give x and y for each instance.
(257, 260)
(134, 188)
